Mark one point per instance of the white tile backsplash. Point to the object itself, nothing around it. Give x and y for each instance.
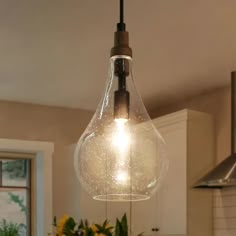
(225, 233)
(227, 201)
(225, 212)
(222, 224)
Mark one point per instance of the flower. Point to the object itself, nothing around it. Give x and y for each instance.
(61, 224)
(94, 228)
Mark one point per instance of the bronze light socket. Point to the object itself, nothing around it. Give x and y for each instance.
(121, 44)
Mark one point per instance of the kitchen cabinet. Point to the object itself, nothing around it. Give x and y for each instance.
(177, 208)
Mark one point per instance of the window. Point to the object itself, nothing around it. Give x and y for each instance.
(15, 194)
(35, 183)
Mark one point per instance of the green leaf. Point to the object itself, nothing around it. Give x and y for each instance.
(9, 228)
(124, 225)
(19, 201)
(105, 223)
(86, 223)
(69, 227)
(55, 221)
(89, 232)
(99, 227)
(118, 229)
(81, 225)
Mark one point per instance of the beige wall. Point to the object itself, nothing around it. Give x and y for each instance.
(58, 125)
(216, 103)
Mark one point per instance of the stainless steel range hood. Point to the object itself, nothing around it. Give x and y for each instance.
(224, 174)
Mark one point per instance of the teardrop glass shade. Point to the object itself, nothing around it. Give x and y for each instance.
(120, 159)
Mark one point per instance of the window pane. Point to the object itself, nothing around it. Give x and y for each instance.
(14, 211)
(14, 173)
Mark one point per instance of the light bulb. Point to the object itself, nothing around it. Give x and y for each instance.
(122, 177)
(121, 155)
(121, 136)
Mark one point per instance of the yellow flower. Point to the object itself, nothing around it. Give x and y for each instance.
(61, 224)
(94, 228)
(108, 226)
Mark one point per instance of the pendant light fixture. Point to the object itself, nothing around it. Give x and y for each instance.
(121, 155)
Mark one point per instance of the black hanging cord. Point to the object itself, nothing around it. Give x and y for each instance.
(121, 11)
(121, 24)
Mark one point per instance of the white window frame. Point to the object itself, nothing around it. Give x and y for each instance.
(42, 215)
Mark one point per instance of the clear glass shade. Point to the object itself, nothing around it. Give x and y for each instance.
(120, 159)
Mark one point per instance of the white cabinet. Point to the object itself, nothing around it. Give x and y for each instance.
(177, 208)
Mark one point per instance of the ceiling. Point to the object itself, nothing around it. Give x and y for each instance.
(56, 52)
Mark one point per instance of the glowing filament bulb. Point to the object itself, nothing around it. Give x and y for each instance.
(122, 177)
(121, 136)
